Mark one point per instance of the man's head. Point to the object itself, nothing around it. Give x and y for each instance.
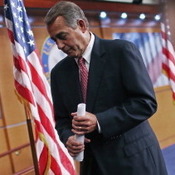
(68, 27)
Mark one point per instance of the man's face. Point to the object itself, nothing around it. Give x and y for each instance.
(70, 41)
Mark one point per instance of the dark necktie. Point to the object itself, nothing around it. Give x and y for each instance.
(83, 77)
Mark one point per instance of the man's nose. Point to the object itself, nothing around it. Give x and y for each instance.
(59, 43)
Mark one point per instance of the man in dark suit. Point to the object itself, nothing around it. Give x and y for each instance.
(120, 99)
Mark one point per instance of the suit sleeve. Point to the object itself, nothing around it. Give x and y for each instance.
(140, 102)
(62, 118)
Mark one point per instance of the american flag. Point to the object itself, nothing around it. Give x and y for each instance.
(150, 47)
(168, 63)
(33, 88)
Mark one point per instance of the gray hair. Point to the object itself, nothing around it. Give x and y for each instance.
(69, 11)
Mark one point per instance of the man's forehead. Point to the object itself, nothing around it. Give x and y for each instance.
(60, 20)
(58, 26)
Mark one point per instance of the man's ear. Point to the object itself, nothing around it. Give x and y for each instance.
(82, 25)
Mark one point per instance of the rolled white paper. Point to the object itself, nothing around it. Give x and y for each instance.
(81, 109)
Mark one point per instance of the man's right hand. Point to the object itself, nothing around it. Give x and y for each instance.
(74, 147)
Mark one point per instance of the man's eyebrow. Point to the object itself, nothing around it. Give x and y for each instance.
(60, 34)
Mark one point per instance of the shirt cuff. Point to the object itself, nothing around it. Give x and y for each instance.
(99, 128)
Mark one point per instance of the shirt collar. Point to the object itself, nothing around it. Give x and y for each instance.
(87, 53)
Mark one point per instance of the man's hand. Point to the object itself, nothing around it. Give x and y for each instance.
(73, 146)
(84, 124)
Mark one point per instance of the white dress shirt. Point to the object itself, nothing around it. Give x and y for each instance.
(87, 56)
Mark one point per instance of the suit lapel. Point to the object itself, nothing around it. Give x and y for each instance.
(72, 79)
(96, 70)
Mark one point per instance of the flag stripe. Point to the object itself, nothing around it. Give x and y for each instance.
(44, 160)
(37, 79)
(168, 55)
(24, 92)
(11, 37)
(168, 71)
(55, 167)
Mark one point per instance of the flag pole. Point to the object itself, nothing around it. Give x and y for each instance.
(31, 138)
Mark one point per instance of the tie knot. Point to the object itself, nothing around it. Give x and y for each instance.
(81, 61)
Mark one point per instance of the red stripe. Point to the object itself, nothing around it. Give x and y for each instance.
(168, 55)
(46, 123)
(20, 64)
(173, 95)
(55, 167)
(66, 162)
(164, 36)
(43, 160)
(168, 71)
(36, 79)
(11, 36)
(16, 63)
(24, 92)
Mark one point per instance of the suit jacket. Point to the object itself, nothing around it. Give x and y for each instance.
(121, 95)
